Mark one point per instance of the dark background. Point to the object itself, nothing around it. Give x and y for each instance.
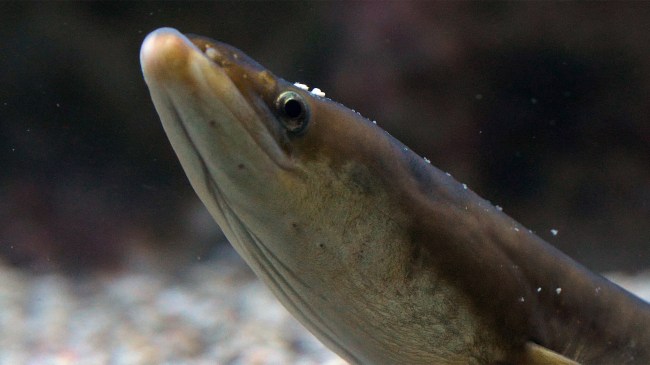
(541, 108)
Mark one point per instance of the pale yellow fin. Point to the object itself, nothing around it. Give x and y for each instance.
(540, 355)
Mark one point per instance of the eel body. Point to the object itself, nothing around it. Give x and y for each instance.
(385, 258)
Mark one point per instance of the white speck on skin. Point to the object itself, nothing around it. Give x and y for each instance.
(465, 186)
(427, 160)
(554, 232)
(318, 92)
(539, 289)
(558, 291)
(516, 229)
(301, 86)
(448, 174)
(212, 53)
(597, 290)
(499, 208)
(374, 122)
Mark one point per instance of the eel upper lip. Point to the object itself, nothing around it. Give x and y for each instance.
(164, 50)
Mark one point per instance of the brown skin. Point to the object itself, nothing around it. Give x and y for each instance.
(384, 257)
(591, 320)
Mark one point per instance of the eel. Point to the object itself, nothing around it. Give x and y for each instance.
(382, 256)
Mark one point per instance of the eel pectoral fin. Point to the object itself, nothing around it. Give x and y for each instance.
(539, 355)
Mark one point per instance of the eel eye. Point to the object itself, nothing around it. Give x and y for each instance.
(293, 110)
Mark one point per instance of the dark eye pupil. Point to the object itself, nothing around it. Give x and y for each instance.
(292, 108)
(293, 112)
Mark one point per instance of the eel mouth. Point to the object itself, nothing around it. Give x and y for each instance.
(214, 88)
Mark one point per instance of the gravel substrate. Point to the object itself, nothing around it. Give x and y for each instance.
(215, 312)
